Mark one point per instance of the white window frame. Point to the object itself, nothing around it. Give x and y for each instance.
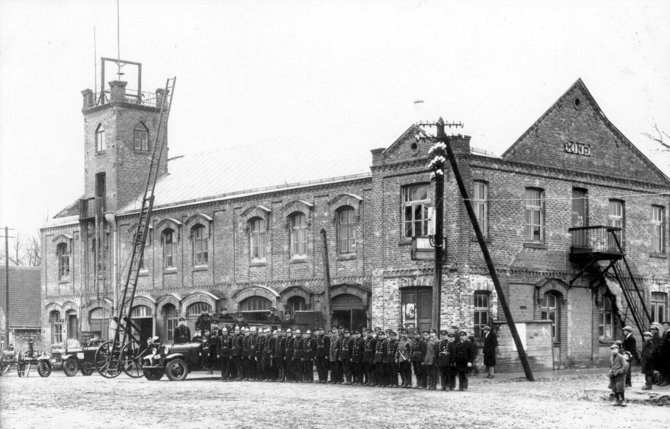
(100, 141)
(415, 226)
(298, 234)
(659, 306)
(480, 205)
(141, 138)
(534, 215)
(346, 231)
(658, 229)
(200, 243)
(257, 239)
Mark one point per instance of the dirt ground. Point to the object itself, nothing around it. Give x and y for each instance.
(203, 401)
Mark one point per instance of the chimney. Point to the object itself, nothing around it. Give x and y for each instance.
(88, 98)
(378, 156)
(118, 90)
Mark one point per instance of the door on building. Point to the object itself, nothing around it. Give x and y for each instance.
(143, 319)
(579, 208)
(348, 311)
(417, 308)
(72, 326)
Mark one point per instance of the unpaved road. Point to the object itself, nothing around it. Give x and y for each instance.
(203, 401)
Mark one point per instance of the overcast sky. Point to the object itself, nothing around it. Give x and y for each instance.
(251, 70)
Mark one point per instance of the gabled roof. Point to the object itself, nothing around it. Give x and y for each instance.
(24, 296)
(527, 139)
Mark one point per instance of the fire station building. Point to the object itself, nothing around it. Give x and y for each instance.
(223, 237)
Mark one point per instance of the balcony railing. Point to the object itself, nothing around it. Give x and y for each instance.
(596, 239)
(144, 99)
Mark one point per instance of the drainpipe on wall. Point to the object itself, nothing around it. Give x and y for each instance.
(110, 217)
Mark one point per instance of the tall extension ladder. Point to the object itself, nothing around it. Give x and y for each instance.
(120, 354)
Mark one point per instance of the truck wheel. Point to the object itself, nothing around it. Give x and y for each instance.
(176, 370)
(153, 374)
(71, 366)
(44, 368)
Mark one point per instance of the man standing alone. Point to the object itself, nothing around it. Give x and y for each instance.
(490, 345)
(182, 334)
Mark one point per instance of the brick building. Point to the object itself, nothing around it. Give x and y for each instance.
(225, 237)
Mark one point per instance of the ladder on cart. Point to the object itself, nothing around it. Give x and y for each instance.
(123, 351)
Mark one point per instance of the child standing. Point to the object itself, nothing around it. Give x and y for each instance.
(617, 374)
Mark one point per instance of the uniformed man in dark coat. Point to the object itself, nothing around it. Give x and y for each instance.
(369, 358)
(489, 352)
(204, 322)
(345, 356)
(418, 355)
(444, 359)
(182, 334)
(357, 352)
(261, 356)
(380, 358)
(430, 360)
(629, 345)
(297, 355)
(236, 354)
(664, 355)
(223, 353)
(403, 358)
(278, 356)
(247, 357)
(463, 360)
(308, 355)
(336, 373)
(391, 369)
(288, 355)
(322, 355)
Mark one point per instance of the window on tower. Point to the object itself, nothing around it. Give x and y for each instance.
(141, 137)
(100, 143)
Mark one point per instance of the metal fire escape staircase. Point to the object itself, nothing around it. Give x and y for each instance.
(121, 354)
(600, 253)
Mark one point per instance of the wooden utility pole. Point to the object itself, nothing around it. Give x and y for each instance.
(326, 279)
(441, 136)
(438, 244)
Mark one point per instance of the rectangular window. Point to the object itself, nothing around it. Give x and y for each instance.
(617, 220)
(606, 320)
(534, 216)
(199, 246)
(415, 210)
(480, 205)
(298, 225)
(346, 232)
(659, 307)
(658, 229)
(549, 310)
(257, 237)
(481, 312)
(141, 139)
(579, 208)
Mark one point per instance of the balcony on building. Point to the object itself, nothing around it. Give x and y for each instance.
(596, 242)
(91, 207)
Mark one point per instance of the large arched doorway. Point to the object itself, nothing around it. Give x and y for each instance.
(143, 318)
(255, 308)
(349, 312)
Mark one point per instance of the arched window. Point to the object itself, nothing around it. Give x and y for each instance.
(63, 255)
(197, 308)
(199, 245)
(170, 319)
(100, 143)
(255, 308)
(298, 236)
(168, 248)
(140, 311)
(257, 238)
(550, 309)
(56, 327)
(295, 303)
(141, 137)
(346, 231)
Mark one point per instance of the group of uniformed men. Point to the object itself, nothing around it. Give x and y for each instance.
(370, 358)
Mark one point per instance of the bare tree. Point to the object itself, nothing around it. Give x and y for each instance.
(16, 250)
(33, 250)
(659, 136)
(23, 250)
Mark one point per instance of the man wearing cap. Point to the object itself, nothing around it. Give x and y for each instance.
(357, 351)
(418, 356)
(403, 359)
(322, 354)
(336, 373)
(463, 360)
(390, 360)
(182, 334)
(297, 355)
(204, 322)
(629, 345)
(430, 360)
(288, 355)
(490, 345)
(268, 352)
(647, 358)
(345, 356)
(617, 374)
(369, 358)
(223, 353)
(444, 359)
(308, 355)
(380, 358)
